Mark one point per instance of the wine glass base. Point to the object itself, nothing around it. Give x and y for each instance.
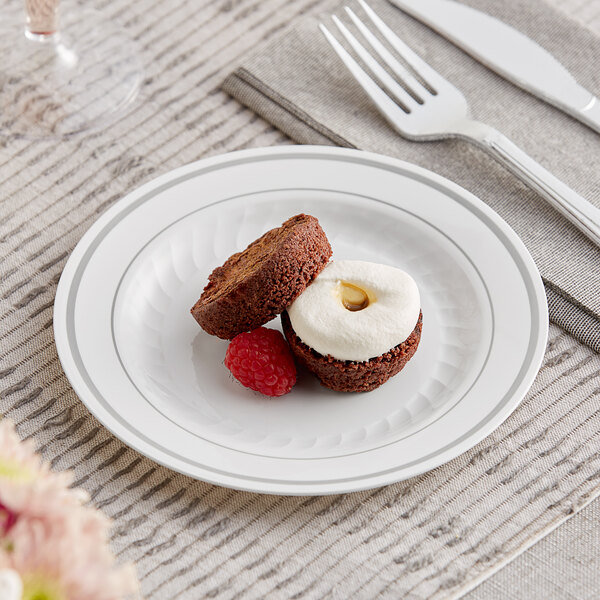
(52, 86)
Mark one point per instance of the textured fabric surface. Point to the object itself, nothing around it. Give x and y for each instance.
(563, 565)
(317, 98)
(435, 536)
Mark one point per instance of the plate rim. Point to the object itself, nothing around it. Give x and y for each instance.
(128, 203)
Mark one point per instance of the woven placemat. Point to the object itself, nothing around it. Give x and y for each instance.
(431, 537)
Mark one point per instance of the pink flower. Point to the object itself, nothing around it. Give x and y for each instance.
(18, 460)
(57, 544)
(8, 518)
(27, 485)
(69, 561)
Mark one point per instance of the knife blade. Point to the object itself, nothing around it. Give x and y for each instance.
(509, 53)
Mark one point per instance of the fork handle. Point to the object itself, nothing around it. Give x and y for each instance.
(585, 216)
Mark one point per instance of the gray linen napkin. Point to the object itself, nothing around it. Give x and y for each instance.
(298, 84)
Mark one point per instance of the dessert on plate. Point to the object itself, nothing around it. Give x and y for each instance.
(357, 325)
(353, 324)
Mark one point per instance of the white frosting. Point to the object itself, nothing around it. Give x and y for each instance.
(322, 322)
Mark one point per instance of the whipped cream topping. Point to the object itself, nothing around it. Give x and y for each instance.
(323, 322)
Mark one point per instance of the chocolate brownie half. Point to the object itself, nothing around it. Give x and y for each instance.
(255, 285)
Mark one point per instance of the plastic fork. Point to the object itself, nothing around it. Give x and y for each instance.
(421, 105)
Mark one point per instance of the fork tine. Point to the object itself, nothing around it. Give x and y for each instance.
(430, 75)
(414, 86)
(380, 73)
(384, 103)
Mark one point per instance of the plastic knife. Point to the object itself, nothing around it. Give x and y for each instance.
(509, 53)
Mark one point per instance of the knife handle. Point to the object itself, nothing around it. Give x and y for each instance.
(584, 215)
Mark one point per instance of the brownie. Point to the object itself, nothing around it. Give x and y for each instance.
(352, 376)
(255, 285)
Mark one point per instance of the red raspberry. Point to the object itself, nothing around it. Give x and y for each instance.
(262, 361)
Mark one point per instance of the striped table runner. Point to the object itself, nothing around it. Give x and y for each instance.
(431, 537)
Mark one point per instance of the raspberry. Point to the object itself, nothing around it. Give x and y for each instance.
(261, 360)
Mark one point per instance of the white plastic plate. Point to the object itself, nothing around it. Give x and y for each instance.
(146, 370)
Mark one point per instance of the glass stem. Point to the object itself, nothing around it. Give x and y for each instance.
(42, 18)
